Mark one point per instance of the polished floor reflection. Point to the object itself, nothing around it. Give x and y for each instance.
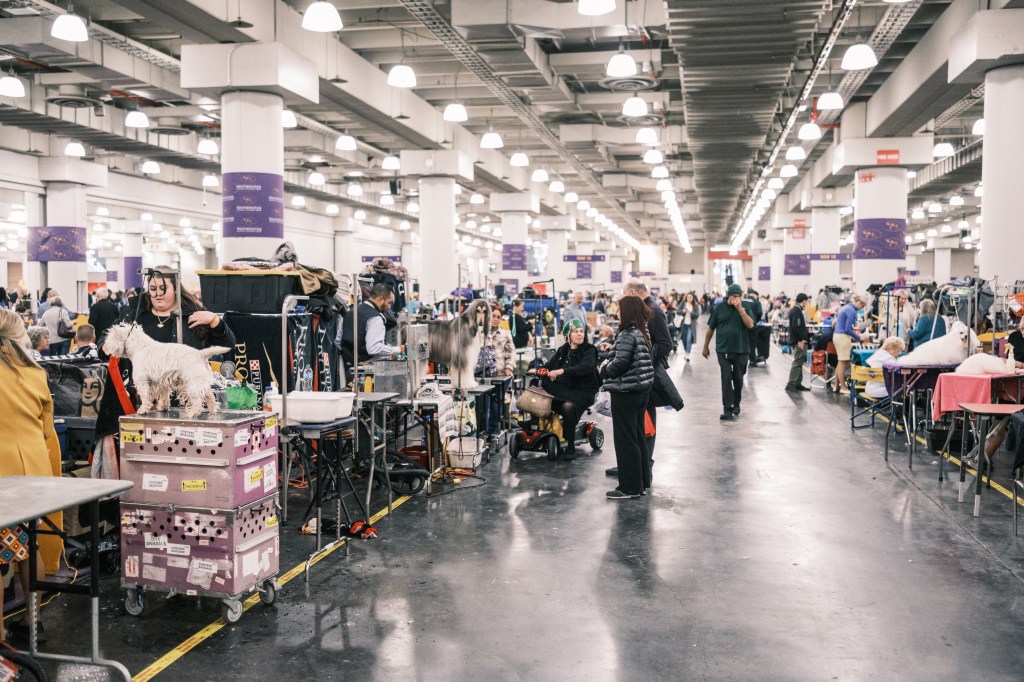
(776, 547)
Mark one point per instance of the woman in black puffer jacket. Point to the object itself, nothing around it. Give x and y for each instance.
(628, 378)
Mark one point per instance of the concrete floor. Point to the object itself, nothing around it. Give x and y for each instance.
(777, 547)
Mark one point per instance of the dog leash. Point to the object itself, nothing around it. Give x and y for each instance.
(114, 369)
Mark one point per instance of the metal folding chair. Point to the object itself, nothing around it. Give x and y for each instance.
(860, 377)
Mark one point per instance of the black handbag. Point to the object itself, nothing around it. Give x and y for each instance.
(77, 387)
(65, 330)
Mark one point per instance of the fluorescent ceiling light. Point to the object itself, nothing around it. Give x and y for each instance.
(621, 65)
(653, 157)
(647, 136)
(208, 147)
(402, 76)
(979, 127)
(809, 131)
(595, 8)
(456, 113)
(136, 119)
(391, 163)
(70, 27)
(796, 153)
(11, 86)
(150, 167)
(519, 160)
(288, 119)
(322, 17)
(830, 101)
(942, 150)
(859, 57)
(634, 107)
(317, 178)
(345, 143)
(491, 140)
(75, 149)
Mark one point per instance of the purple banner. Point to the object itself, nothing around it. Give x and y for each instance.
(797, 264)
(584, 270)
(764, 274)
(112, 276)
(57, 244)
(253, 205)
(511, 285)
(831, 256)
(393, 259)
(641, 274)
(513, 257)
(132, 277)
(880, 238)
(616, 276)
(584, 259)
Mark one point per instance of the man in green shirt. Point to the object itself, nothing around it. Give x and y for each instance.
(733, 323)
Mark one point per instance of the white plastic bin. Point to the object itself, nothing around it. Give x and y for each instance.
(314, 407)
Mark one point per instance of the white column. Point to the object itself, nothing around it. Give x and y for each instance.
(61, 245)
(252, 163)
(880, 225)
(3, 275)
(796, 272)
(1000, 174)
(943, 265)
(602, 268)
(558, 248)
(616, 273)
(824, 244)
(438, 264)
(515, 226)
(777, 260)
(346, 258)
(131, 259)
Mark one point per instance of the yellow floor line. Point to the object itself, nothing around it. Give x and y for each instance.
(198, 638)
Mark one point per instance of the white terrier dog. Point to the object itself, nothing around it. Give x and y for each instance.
(160, 369)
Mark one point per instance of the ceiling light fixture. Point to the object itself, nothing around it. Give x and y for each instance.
(583, 205)
(70, 27)
(789, 170)
(477, 198)
(75, 149)
(288, 119)
(663, 185)
(210, 181)
(207, 147)
(345, 143)
(391, 163)
(519, 160)
(595, 8)
(322, 17)
(491, 140)
(796, 153)
(11, 86)
(402, 76)
(384, 220)
(634, 107)
(943, 150)
(412, 207)
(653, 156)
(809, 131)
(776, 183)
(150, 167)
(935, 207)
(387, 200)
(456, 113)
(298, 201)
(647, 136)
(136, 119)
(830, 101)
(571, 197)
(539, 175)
(659, 172)
(858, 57)
(556, 186)
(316, 178)
(354, 190)
(359, 215)
(956, 200)
(979, 191)
(621, 65)
(917, 214)
(979, 127)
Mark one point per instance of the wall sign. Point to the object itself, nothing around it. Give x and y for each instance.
(798, 233)
(513, 257)
(764, 273)
(797, 264)
(253, 205)
(393, 259)
(880, 239)
(887, 157)
(597, 258)
(57, 244)
(616, 276)
(584, 270)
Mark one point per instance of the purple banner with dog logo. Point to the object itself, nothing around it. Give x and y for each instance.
(57, 244)
(797, 264)
(511, 285)
(584, 270)
(132, 277)
(253, 205)
(880, 239)
(764, 274)
(616, 276)
(513, 257)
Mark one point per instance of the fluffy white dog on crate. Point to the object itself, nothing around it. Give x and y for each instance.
(160, 369)
(458, 342)
(951, 349)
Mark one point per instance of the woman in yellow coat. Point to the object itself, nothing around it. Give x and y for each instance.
(29, 445)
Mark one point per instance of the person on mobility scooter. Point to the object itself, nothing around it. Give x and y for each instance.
(570, 376)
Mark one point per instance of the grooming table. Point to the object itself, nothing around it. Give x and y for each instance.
(984, 413)
(369, 404)
(904, 382)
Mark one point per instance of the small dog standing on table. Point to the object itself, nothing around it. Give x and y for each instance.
(457, 343)
(160, 369)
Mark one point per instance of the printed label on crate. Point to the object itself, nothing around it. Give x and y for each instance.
(218, 580)
(131, 567)
(154, 482)
(201, 572)
(205, 565)
(269, 476)
(188, 433)
(193, 485)
(177, 562)
(210, 437)
(132, 426)
(131, 437)
(147, 558)
(253, 478)
(272, 521)
(178, 550)
(156, 573)
(155, 541)
(241, 438)
(251, 563)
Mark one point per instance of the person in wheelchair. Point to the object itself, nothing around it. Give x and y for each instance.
(571, 377)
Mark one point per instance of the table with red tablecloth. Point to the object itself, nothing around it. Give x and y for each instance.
(952, 389)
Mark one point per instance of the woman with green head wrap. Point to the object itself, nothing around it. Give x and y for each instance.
(572, 380)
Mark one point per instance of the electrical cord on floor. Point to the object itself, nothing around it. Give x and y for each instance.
(461, 474)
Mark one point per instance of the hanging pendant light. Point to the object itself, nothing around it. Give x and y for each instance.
(571, 197)
(634, 107)
(788, 171)
(796, 153)
(477, 198)
(391, 163)
(402, 76)
(359, 215)
(776, 183)
(647, 136)
(208, 147)
(653, 157)
(70, 27)
(383, 221)
(136, 119)
(288, 119)
(387, 200)
(978, 128)
(412, 207)
(210, 181)
(583, 205)
(345, 143)
(150, 167)
(539, 175)
(322, 17)
(809, 131)
(663, 185)
(11, 86)
(943, 150)
(956, 200)
(935, 207)
(858, 57)
(491, 140)
(519, 160)
(979, 191)
(298, 201)
(595, 8)
(456, 113)
(354, 190)
(74, 149)
(830, 101)
(917, 214)
(659, 172)
(556, 186)
(621, 65)
(317, 179)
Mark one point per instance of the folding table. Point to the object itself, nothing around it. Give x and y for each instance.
(984, 413)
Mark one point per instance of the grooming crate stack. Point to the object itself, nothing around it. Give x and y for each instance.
(202, 517)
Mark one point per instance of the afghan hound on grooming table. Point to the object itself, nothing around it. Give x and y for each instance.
(457, 342)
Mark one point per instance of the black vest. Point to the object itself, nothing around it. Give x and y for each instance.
(366, 311)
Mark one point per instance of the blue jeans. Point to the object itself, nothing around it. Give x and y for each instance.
(489, 414)
(687, 335)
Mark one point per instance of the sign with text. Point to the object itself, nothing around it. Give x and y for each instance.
(887, 157)
(831, 256)
(724, 255)
(764, 273)
(583, 258)
(57, 244)
(800, 222)
(511, 285)
(880, 239)
(797, 264)
(641, 274)
(393, 259)
(584, 270)
(253, 205)
(616, 276)
(798, 233)
(513, 257)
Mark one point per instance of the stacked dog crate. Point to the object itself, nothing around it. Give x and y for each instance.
(202, 517)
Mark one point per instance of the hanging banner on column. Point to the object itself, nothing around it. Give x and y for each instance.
(132, 278)
(616, 277)
(253, 205)
(797, 264)
(880, 239)
(57, 244)
(513, 257)
(112, 276)
(511, 285)
(584, 270)
(764, 273)
(596, 258)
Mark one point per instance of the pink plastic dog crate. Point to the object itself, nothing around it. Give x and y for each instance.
(220, 461)
(199, 551)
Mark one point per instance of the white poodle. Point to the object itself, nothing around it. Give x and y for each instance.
(951, 349)
(162, 368)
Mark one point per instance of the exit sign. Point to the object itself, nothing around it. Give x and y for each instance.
(887, 157)
(799, 222)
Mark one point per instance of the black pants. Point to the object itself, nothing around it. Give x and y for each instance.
(570, 413)
(733, 367)
(631, 454)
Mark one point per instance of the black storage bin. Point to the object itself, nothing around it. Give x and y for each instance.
(247, 291)
(936, 439)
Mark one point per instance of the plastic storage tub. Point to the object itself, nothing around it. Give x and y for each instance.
(315, 407)
(247, 291)
(218, 461)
